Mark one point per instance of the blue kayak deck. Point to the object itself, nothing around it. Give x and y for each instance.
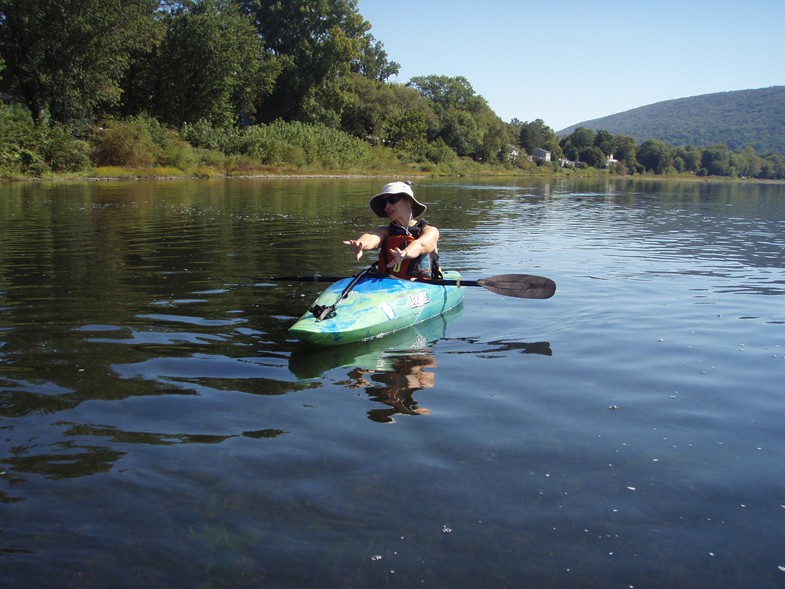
(375, 307)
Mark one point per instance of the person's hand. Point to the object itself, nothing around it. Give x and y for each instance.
(397, 255)
(356, 246)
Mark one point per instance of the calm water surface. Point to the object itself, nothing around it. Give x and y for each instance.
(159, 428)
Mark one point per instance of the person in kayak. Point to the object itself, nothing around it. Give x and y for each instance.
(408, 247)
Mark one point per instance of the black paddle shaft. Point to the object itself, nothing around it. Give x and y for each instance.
(521, 286)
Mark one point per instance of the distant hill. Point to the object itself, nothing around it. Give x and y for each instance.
(738, 119)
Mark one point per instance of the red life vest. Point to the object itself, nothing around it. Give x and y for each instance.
(424, 266)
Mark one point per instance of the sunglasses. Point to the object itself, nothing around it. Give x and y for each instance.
(392, 199)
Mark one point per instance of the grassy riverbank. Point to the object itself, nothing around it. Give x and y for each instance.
(141, 147)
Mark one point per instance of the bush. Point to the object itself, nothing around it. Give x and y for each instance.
(204, 136)
(27, 149)
(303, 145)
(19, 140)
(439, 152)
(141, 142)
(124, 143)
(65, 153)
(210, 158)
(177, 153)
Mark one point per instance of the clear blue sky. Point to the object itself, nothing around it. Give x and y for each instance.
(568, 61)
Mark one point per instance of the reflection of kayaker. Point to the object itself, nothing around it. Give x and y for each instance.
(408, 248)
(396, 387)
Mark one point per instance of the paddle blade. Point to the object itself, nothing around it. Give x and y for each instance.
(522, 286)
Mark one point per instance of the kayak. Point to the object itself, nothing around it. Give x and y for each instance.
(380, 355)
(374, 307)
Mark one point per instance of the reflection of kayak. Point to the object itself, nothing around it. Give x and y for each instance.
(374, 307)
(376, 355)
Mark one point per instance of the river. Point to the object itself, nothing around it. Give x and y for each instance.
(161, 428)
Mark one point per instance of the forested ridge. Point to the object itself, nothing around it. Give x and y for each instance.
(739, 119)
(213, 87)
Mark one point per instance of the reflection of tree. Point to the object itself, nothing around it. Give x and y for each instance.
(76, 457)
(65, 460)
(395, 386)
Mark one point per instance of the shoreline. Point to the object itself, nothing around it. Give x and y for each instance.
(395, 175)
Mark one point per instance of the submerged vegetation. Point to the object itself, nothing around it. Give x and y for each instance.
(239, 87)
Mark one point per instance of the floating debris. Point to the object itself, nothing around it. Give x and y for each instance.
(376, 557)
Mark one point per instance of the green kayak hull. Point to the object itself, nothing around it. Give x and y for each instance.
(380, 355)
(375, 307)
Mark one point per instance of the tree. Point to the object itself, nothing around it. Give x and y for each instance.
(773, 167)
(748, 163)
(209, 66)
(379, 112)
(655, 156)
(624, 150)
(582, 138)
(405, 129)
(594, 157)
(459, 131)
(690, 158)
(373, 62)
(495, 136)
(446, 92)
(466, 122)
(367, 106)
(716, 160)
(535, 134)
(605, 141)
(69, 57)
(577, 143)
(316, 42)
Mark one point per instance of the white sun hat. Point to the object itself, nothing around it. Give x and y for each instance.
(377, 202)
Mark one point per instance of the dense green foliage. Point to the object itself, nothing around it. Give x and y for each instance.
(70, 57)
(315, 42)
(659, 157)
(250, 86)
(741, 119)
(585, 147)
(207, 66)
(29, 149)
